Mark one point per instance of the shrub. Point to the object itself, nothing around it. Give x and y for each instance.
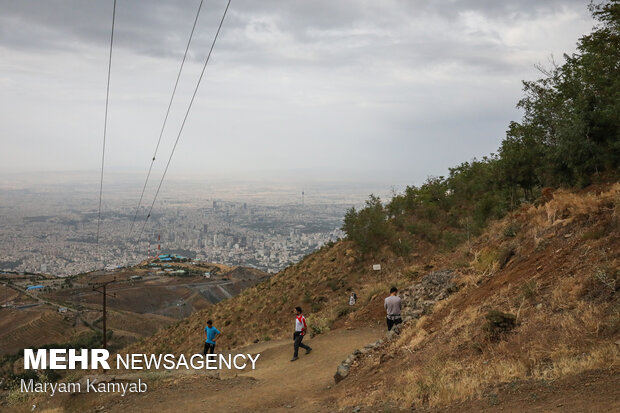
(511, 230)
(401, 247)
(451, 240)
(425, 230)
(529, 290)
(345, 309)
(593, 234)
(333, 284)
(499, 323)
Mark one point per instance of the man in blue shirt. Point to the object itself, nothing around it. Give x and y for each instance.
(211, 334)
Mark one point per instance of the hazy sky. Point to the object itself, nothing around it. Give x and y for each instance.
(392, 91)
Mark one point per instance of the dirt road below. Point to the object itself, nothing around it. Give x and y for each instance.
(277, 384)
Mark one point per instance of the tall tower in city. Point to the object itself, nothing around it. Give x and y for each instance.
(302, 198)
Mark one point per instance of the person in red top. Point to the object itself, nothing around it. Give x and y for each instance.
(300, 331)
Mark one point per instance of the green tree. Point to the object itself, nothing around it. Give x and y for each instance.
(368, 227)
(571, 115)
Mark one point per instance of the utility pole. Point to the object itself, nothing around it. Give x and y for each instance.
(101, 288)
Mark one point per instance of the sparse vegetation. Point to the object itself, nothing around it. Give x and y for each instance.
(557, 291)
(529, 290)
(499, 323)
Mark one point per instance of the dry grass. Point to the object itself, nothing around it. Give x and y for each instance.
(486, 261)
(561, 287)
(564, 294)
(442, 382)
(533, 352)
(563, 291)
(319, 284)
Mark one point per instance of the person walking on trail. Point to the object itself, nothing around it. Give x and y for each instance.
(211, 335)
(352, 298)
(392, 307)
(300, 331)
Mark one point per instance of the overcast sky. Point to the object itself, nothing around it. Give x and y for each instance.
(391, 91)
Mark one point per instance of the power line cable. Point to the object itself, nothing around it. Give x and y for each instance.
(185, 119)
(163, 126)
(105, 123)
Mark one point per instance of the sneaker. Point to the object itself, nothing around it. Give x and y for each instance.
(294, 358)
(308, 351)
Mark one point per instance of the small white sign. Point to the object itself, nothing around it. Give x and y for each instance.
(376, 267)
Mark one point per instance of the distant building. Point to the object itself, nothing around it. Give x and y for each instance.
(34, 288)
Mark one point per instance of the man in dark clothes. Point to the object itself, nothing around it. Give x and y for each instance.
(300, 332)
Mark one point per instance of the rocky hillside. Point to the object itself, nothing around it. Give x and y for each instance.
(321, 284)
(537, 302)
(534, 298)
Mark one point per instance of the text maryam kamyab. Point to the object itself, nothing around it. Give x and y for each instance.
(89, 386)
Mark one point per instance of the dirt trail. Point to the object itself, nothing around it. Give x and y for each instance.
(276, 384)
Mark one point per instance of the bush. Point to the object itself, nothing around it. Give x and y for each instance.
(499, 323)
(511, 230)
(451, 240)
(425, 230)
(529, 290)
(333, 284)
(401, 247)
(345, 309)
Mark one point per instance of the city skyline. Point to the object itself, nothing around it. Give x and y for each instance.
(54, 231)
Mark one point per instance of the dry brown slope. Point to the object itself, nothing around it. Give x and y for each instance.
(559, 276)
(37, 326)
(318, 284)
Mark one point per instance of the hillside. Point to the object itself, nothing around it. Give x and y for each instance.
(320, 284)
(36, 326)
(558, 275)
(557, 249)
(554, 274)
(67, 313)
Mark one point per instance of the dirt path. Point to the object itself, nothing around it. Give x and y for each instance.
(277, 384)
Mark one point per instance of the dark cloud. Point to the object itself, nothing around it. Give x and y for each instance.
(160, 27)
(352, 83)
